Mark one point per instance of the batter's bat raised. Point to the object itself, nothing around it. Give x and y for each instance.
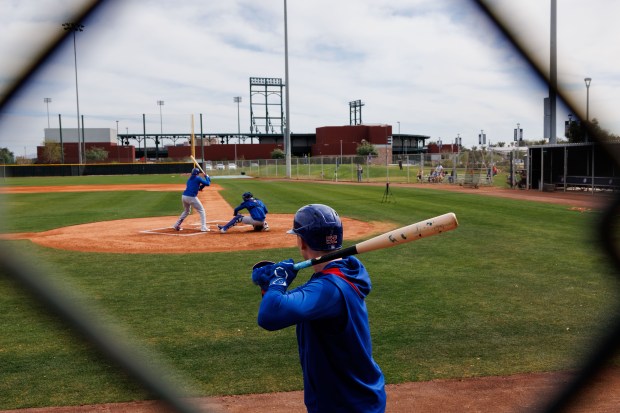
(409, 233)
(197, 164)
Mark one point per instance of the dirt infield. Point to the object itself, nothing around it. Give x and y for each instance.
(518, 393)
(156, 235)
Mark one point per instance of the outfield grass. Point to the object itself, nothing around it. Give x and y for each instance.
(518, 287)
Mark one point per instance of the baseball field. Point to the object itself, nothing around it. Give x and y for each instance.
(521, 287)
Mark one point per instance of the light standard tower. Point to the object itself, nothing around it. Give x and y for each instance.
(47, 102)
(76, 27)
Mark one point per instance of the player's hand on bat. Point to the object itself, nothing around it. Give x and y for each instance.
(267, 273)
(261, 274)
(284, 273)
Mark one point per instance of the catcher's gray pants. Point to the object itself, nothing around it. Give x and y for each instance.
(248, 220)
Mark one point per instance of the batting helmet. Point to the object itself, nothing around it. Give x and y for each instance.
(319, 226)
(247, 195)
(195, 171)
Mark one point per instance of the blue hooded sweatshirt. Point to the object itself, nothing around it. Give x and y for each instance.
(194, 184)
(333, 337)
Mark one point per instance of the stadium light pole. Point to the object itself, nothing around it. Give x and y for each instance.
(588, 80)
(47, 102)
(287, 126)
(237, 100)
(160, 103)
(399, 137)
(76, 27)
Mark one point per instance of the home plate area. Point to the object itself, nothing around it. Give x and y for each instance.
(190, 230)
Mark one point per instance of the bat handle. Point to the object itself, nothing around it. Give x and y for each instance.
(302, 264)
(344, 252)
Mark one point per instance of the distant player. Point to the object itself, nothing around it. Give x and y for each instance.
(195, 183)
(258, 213)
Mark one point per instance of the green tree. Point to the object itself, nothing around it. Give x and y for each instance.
(51, 152)
(278, 153)
(96, 154)
(6, 156)
(366, 148)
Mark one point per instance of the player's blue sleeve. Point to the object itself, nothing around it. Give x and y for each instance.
(314, 300)
(241, 206)
(205, 181)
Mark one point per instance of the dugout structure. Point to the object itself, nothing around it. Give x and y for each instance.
(585, 166)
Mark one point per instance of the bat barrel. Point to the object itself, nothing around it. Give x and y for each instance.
(409, 233)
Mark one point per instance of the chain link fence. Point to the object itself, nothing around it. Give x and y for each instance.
(463, 168)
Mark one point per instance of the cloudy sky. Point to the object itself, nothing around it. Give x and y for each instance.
(430, 67)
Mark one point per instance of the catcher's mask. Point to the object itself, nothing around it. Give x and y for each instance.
(319, 226)
(247, 196)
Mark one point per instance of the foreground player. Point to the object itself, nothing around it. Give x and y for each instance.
(256, 208)
(190, 199)
(329, 310)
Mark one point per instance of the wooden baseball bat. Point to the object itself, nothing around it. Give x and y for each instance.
(403, 235)
(197, 164)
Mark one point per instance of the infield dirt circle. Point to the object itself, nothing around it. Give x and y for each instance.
(517, 393)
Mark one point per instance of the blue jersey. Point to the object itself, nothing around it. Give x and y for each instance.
(333, 336)
(194, 184)
(256, 208)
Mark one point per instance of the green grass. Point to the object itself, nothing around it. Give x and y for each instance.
(518, 287)
(44, 211)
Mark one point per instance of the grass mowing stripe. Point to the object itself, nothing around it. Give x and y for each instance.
(43, 211)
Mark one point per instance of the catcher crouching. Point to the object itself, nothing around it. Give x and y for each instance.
(258, 212)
